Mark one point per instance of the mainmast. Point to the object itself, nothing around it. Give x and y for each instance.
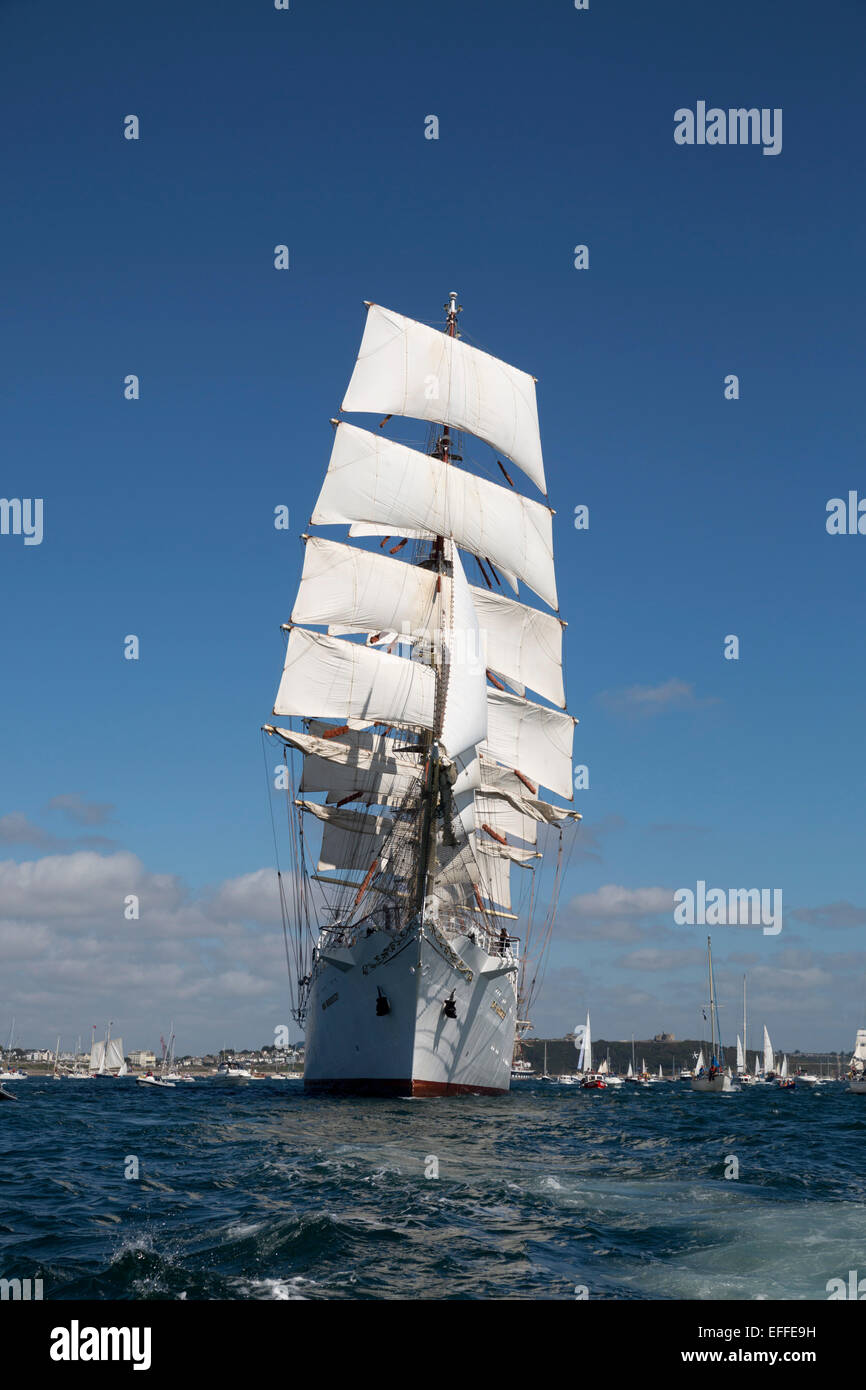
(442, 450)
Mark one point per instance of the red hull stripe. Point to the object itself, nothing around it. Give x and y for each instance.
(387, 1086)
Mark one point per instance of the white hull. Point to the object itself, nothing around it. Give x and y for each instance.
(858, 1085)
(415, 1048)
(716, 1084)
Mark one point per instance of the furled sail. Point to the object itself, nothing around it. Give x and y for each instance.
(406, 368)
(371, 479)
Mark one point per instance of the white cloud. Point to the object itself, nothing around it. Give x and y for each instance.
(654, 699)
(612, 900)
(69, 957)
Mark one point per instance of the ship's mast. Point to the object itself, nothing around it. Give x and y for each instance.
(441, 451)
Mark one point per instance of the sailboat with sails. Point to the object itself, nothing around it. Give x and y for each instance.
(10, 1072)
(857, 1065)
(411, 718)
(743, 1075)
(713, 1078)
(591, 1080)
(107, 1054)
(769, 1060)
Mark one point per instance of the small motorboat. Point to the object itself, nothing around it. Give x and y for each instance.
(593, 1083)
(6, 1095)
(521, 1070)
(150, 1080)
(13, 1075)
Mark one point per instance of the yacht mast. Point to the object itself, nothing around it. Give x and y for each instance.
(712, 1001)
(745, 1064)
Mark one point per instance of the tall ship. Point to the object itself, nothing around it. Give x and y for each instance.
(412, 758)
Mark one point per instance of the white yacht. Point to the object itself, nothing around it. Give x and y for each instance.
(714, 1078)
(230, 1071)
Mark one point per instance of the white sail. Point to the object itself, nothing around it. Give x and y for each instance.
(114, 1054)
(700, 1064)
(532, 738)
(346, 781)
(336, 678)
(372, 480)
(478, 810)
(588, 1043)
(469, 867)
(406, 368)
(784, 1070)
(371, 769)
(630, 1071)
(464, 678)
(354, 590)
(341, 849)
(769, 1060)
(350, 839)
(357, 757)
(580, 1044)
(522, 644)
(604, 1069)
(741, 1061)
(97, 1056)
(859, 1053)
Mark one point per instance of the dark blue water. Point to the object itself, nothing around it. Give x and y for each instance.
(258, 1191)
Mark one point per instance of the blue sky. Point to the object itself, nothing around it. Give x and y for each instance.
(707, 516)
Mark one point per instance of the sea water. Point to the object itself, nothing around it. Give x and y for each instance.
(221, 1190)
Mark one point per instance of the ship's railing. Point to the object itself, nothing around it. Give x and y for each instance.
(494, 942)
